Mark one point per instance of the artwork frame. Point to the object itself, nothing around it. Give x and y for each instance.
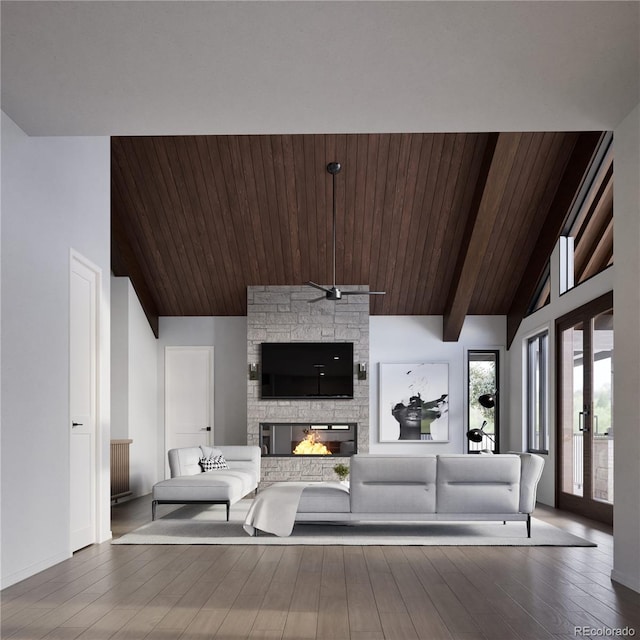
(414, 402)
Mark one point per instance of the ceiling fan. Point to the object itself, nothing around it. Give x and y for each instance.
(334, 293)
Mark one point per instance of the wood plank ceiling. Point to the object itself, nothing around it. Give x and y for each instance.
(446, 224)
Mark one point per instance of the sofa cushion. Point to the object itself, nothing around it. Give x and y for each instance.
(325, 497)
(209, 452)
(393, 484)
(478, 484)
(185, 461)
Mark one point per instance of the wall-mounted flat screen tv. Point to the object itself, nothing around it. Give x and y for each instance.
(306, 370)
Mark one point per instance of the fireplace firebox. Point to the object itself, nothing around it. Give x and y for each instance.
(309, 439)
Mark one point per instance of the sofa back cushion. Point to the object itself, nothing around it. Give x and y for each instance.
(392, 484)
(478, 484)
(185, 461)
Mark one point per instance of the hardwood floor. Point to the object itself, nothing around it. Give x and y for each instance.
(334, 593)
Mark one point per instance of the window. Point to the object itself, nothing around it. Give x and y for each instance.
(589, 226)
(483, 408)
(537, 393)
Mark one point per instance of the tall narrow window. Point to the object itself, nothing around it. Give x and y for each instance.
(537, 393)
(483, 409)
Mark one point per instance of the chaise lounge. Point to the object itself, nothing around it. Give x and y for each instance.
(189, 484)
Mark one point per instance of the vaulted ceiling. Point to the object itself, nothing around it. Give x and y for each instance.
(447, 224)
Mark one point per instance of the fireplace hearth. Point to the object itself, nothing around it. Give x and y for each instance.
(308, 439)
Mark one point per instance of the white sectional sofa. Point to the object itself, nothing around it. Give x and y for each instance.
(414, 488)
(189, 484)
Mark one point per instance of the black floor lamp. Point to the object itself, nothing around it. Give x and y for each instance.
(488, 401)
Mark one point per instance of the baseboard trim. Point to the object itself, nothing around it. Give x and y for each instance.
(31, 570)
(632, 582)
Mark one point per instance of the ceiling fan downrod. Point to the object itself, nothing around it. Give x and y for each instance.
(334, 293)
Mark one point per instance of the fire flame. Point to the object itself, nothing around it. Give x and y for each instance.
(311, 445)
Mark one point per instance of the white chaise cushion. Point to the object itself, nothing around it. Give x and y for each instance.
(211, 485)
(478, 484)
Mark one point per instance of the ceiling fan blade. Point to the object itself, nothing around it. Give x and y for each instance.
(318, 299)
(317, 286)
(364, 293)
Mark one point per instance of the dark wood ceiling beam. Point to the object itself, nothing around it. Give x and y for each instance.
(125, 263)
(572, 178)
(593, 228)
(492, 179)
(601, 251)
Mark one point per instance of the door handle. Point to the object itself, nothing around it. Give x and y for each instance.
(205, 429)
(581, 425)
(76, 424)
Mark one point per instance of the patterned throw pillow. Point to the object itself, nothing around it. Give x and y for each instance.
(216, 462)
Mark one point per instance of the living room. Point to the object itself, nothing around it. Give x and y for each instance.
(56, 192)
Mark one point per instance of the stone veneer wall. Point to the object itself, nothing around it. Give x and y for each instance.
(284, 314)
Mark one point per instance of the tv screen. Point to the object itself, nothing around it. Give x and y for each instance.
(301, 370)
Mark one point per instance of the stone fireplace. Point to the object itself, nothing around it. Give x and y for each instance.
(284, 314)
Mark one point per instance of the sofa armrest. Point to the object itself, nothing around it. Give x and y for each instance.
(531, 466)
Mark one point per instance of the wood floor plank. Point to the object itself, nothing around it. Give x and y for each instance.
(145, 620)
(300, 625)
(361, 601)
(333, 612)
(397, 626)
(109, 624)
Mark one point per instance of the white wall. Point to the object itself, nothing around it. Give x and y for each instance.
(134, 385)
(542, 320)
(228, 336)
(414, 339)
(626, 511)
(55, 197)
(119, 358)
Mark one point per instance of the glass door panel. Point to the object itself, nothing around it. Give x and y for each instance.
(572, 408)
(602, 393)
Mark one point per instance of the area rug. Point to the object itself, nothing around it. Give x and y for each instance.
(207, 525)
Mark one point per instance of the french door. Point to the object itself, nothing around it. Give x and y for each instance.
(584, 340)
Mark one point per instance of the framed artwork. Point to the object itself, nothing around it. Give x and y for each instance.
(414, 402)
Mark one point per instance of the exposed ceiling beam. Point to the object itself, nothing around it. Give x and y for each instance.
(492, 181)
(574, 173)
(601, 251)
(591, 252)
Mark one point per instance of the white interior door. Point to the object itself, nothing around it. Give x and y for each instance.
(188, 396)
(82, 401)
